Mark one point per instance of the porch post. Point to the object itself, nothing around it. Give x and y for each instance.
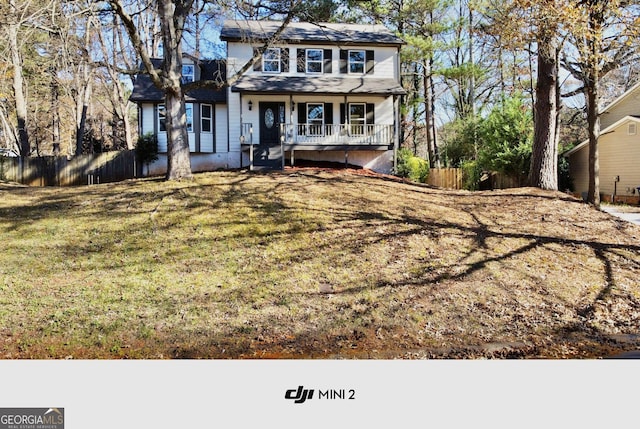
(251, 154)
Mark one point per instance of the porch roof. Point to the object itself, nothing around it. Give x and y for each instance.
(326, 85)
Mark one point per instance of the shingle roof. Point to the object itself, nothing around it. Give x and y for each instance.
(299, 32)
(330, 85)
(145, 90)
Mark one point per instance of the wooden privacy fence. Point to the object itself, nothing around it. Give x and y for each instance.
(452, 178)
(445, 178)
(79, 170)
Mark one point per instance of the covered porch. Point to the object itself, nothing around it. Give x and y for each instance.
(286, 117)
(313, 138)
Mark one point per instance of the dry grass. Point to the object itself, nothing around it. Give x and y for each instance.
(312, 264)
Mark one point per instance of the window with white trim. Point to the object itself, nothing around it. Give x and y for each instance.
(162, 117)
(632, 129)
(271, 60)
(188, 73)
(206, 118)
(189, 112)
(314, 60)
(357, 118)
(357, 61)
(315, 119)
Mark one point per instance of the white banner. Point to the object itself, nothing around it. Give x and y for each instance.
(327, 394)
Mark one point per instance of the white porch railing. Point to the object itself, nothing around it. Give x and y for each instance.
(246, 136)
(329, 135)
(350, 134)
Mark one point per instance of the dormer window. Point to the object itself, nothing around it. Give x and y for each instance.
(315, 60)
(188, 73)
(271, 60)
(357, 61)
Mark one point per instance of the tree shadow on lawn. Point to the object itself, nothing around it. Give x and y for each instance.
(610, 254)
(581, 331)
(360, 226)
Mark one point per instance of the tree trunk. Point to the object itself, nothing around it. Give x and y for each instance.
(543, 172)
(592, 95)
(55, 112)
(81, 118)
(18, 90)
(593, 121)
(428, 113)
(178, 156)
(128, 133)
(179, 161)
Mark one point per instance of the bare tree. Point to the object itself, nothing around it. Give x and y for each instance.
(604, 38)
(173, 16)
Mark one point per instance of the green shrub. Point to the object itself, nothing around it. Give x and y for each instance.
(147, 148)
(471, 172)
(506, 138)
(411, 166)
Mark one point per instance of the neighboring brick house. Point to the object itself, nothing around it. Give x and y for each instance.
(618, 150)
(321, 92)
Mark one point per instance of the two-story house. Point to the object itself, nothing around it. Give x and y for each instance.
(319, 92)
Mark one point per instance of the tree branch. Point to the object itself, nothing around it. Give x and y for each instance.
(155, 74)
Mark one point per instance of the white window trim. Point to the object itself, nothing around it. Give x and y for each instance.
(311, 126)
(188, 77)
(161, 109)
(364, 61)
(360, 122)
(161, 118)
(279, 60)
(189, 108)
(206, 118)
(307, 61)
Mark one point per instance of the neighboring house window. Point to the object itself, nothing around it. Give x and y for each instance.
(357, 61)
(162, 115)
(315, 61)
(315, 119)
(206, 118)
(632, 129)
(271, 60)
(188, 73)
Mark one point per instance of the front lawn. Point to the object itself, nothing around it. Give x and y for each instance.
(312, 264)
